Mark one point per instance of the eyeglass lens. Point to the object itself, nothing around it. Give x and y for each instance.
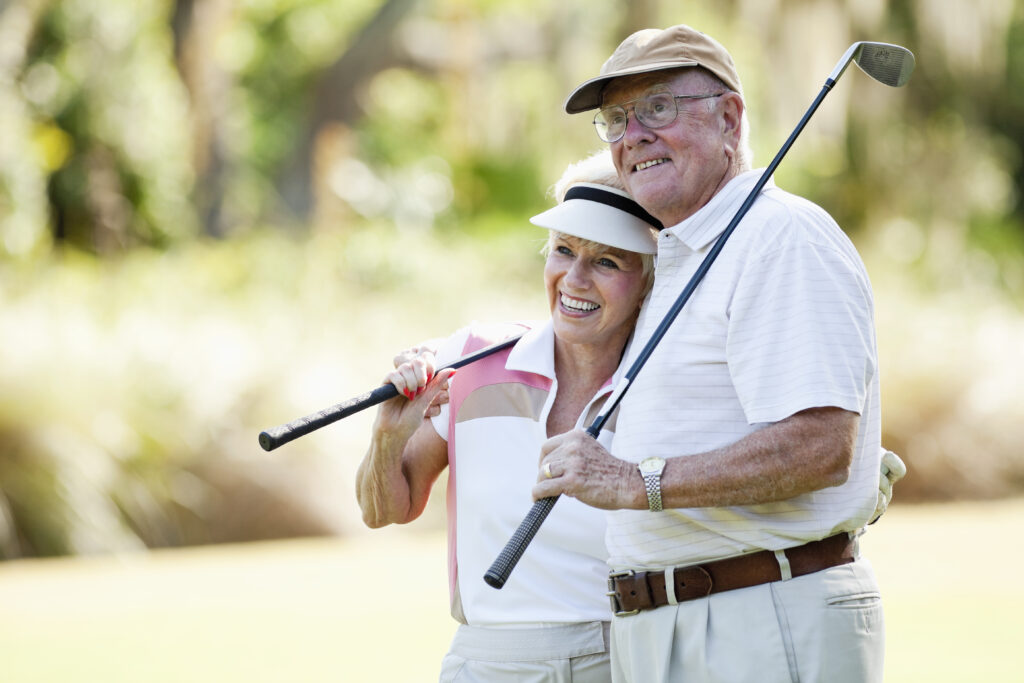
(656, 110)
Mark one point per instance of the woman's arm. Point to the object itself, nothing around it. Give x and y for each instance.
(406, 455)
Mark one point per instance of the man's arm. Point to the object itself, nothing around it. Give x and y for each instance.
(808, 451)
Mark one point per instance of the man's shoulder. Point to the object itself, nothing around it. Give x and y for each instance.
(790, 219)
(796, 207)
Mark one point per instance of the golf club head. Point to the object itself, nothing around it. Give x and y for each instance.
(888, 64)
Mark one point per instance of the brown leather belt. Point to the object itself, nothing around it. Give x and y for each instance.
(632, 591)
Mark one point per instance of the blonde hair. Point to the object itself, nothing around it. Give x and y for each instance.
(598, 168)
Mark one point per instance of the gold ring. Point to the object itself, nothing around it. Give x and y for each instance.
(547, 471)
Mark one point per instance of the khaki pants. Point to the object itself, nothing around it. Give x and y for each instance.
(563, 653)
(825, 627)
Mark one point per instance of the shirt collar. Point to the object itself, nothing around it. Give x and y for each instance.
(535, 352)
(703, 227)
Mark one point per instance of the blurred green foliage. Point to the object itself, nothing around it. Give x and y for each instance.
(110, 116)
(217, 215)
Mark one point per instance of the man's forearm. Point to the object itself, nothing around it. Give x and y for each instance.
(808, 451)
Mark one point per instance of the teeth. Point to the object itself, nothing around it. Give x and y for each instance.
(648, 164)
(578, 305)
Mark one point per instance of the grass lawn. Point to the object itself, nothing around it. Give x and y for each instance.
(374, 607)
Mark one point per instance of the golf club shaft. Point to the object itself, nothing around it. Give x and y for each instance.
(502, 567)
(282, 434)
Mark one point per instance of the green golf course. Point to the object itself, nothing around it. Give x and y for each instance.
(374, 607)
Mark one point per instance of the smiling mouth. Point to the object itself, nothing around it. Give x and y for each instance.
(578, 305)
(647, 164)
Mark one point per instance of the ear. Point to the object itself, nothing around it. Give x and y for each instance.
(731, 106)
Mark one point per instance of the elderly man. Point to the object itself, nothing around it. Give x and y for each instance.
(746, 455)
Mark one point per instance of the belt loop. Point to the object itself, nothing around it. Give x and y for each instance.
(784, 568)
(855, 537)
(670, 585)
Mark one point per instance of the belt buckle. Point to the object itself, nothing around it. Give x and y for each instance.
(613, 594)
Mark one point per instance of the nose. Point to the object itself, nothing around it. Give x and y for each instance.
(578, 275)
(635, 131)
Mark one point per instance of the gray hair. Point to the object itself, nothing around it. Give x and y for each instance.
(744, 153)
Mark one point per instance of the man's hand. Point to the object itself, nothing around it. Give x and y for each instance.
(576, 465)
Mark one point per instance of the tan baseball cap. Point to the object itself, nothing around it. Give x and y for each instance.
(653, 50)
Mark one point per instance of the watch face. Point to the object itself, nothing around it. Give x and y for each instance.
(651, 465)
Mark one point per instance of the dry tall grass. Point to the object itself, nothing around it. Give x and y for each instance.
(132, 390)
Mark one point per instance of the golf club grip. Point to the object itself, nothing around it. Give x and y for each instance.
(499, 572)
(282, 434)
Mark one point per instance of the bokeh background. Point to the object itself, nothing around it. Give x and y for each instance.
(219, 215)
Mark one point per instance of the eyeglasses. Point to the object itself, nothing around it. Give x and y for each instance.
(653, 110)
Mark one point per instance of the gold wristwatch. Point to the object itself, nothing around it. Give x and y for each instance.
(651, 469)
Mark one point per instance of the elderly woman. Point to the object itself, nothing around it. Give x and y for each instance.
(550, 622)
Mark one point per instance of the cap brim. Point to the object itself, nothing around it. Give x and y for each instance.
(599, 223)
(587, 96)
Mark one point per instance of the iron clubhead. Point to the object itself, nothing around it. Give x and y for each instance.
(886, 63)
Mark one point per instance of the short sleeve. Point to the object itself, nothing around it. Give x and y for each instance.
(801, 330)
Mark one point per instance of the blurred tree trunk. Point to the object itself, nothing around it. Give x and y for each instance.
(372, 51)
(640, 14)
(195, 25)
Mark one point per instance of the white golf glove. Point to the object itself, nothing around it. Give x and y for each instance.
(892, 470)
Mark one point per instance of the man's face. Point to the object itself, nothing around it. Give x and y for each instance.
(673, 171)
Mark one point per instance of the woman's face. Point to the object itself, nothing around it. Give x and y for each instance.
(594, 291)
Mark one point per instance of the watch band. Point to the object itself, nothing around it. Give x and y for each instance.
(652, 482)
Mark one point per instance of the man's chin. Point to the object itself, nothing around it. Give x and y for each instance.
(650, 195)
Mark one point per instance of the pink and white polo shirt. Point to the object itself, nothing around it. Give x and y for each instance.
(495, 424)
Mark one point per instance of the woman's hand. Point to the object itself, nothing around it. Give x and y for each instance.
(422, 351)
(424, 393)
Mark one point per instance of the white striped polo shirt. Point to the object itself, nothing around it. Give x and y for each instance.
(498, 412)
(782, 322)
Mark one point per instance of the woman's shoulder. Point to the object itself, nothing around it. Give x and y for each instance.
(479, 335)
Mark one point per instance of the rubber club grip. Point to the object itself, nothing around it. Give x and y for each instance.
(282, 434)
(499, 572)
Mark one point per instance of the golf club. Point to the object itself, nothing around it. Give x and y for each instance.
(888, 64)
(282, 434)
